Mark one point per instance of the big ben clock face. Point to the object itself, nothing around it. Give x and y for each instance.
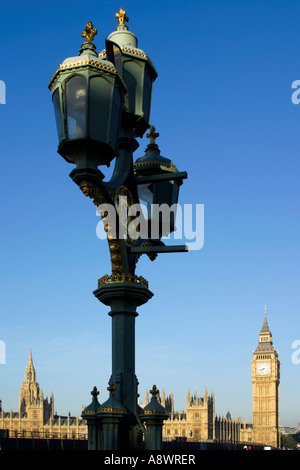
(263, 368)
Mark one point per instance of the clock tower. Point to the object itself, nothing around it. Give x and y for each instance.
(265, 389)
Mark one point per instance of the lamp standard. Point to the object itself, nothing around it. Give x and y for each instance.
(102, 105)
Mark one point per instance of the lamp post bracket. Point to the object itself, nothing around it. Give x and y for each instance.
(159, 249)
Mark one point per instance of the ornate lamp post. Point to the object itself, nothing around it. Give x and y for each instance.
(102, 104)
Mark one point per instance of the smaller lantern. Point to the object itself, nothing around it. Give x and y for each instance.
(157, 191)
(93, 424)
(137, 71)
(88, 96)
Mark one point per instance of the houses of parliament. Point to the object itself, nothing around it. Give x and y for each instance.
(36, 416)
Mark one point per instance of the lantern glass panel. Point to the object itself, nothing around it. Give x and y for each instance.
(76, 107)
(133, 77)
(145, 194)
(57, 111)
(114, 55)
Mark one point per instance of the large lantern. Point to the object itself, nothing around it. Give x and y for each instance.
(88, 97)
(137, 71)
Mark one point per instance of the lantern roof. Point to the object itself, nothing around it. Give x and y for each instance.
(87, 55)
(122, 36)
(91, 409)
(112, 405)
(126, 40)
(154, 407)
(153, 158)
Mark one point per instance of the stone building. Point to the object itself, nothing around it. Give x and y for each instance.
(199, 423)
(198, 420)
(36, 417)
(265, 389)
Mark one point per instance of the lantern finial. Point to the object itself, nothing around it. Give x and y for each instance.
(111, 388)
(154, 392)
(89, 32)
(152, 135)
(121, 16)
(94, 393)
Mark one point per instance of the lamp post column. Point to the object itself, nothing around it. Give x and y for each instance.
(123, 298)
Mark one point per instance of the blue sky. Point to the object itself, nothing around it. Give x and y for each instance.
(222, 105)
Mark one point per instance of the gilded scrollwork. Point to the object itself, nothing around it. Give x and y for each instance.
(95, 193)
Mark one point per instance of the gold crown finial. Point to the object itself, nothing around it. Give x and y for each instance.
(94, 392)
(152, 135)
(121, 16)
(111, 388)
(154, 392)
(89, 32)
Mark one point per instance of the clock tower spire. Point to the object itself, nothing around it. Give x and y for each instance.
(265, 389)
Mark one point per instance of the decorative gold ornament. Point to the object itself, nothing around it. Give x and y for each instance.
(153, 412)
(154, 392)
(124, 223)
(111, 410)
(89, 32)
(80, 63)
(114, 246)
(111, 388)
(122, 191)
(95, 193)
(94, 392)
(121, 16)
(151, 256)
(152, 135)
(134, 51)
(128, 50)
(122, 277)
(155, 162)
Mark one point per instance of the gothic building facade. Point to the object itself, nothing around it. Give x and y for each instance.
(199, 423)
(36, 416)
